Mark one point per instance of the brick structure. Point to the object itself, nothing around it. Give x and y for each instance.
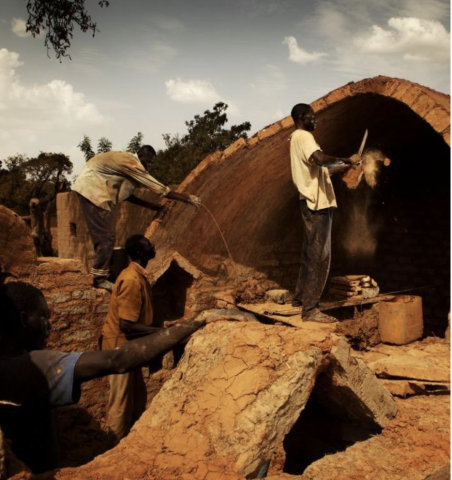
(249, 190)
(73, 237)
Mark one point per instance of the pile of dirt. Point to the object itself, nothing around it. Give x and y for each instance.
(362, 330)
(254, 290)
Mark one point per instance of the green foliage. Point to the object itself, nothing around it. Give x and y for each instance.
(24, 178)
(104, 145)
(58, 18)
(206, 135)
(135, 144)
(86, 148)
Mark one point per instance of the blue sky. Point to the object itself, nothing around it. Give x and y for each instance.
(154, 65)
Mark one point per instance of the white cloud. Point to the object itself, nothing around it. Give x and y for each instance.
(362, 42)
(32, 113)
(414, 39)
(19, 27)
(196, 91)
(271, 82)
(298, 55)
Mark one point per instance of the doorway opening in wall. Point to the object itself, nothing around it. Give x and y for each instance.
(325, 427)
(170, 294)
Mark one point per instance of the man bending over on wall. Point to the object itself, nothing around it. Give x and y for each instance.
(33, 381)
(106, 180)
(130, 314)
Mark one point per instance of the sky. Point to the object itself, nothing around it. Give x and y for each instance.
(154, 65)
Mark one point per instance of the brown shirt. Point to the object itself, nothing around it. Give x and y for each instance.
(130, 300)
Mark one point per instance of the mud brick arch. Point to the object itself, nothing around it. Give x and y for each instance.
(249, 190)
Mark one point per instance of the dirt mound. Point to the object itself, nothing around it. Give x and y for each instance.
(362, 330)
(17, 251)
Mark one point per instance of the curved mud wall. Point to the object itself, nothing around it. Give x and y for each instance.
(249, 190)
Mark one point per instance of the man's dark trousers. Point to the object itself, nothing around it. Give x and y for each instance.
(101, 227)
(315, 256)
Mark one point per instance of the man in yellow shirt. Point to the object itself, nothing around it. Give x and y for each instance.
(130, 315)
(106, 180)
(310, 174)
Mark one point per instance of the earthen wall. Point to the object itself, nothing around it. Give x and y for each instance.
(249, 190)
(73, 236)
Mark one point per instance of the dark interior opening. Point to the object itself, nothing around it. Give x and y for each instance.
(325, 427)
(404, 221)
(407, 215)
(170, 294)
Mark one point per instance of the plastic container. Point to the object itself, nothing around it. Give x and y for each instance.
(401, 320)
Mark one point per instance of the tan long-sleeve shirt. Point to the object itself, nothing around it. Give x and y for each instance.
(109, 178)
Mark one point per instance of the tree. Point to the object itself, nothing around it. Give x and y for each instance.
(48, 169)
(58, 18)
(86, 148)
(206, 134)
(135, 144)
(104, 145)
(15, 191)
(41, 177)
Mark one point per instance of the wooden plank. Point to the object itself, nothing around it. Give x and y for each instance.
(345, 293)
(267, 311)
(354, 302)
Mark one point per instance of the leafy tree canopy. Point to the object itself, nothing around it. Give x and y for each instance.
(57, 18)
(206, 134)
(104, 145)
(135, 144)
(23, 178)
(86, 148)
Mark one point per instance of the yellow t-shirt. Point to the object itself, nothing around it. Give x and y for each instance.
(130, 300)
(312, 181)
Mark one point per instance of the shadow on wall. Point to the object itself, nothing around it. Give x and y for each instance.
(81, 437)
(323, 428)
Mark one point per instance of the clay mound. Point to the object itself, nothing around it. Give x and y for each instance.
(17, 252)
(236, 393)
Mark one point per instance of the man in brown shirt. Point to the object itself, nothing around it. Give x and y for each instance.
(130, 314)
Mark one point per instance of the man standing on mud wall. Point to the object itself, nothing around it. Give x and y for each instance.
(106, 180)
(310, 174)
(130, 315)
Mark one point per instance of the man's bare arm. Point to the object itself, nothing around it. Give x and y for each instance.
(133, 354)
(323, 160)
(181, 197)
(143, 203)
(134, 329)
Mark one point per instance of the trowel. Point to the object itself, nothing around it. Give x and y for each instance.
(341, 166)
(352, 177)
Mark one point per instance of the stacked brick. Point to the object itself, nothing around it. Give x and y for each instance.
(353, 287)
